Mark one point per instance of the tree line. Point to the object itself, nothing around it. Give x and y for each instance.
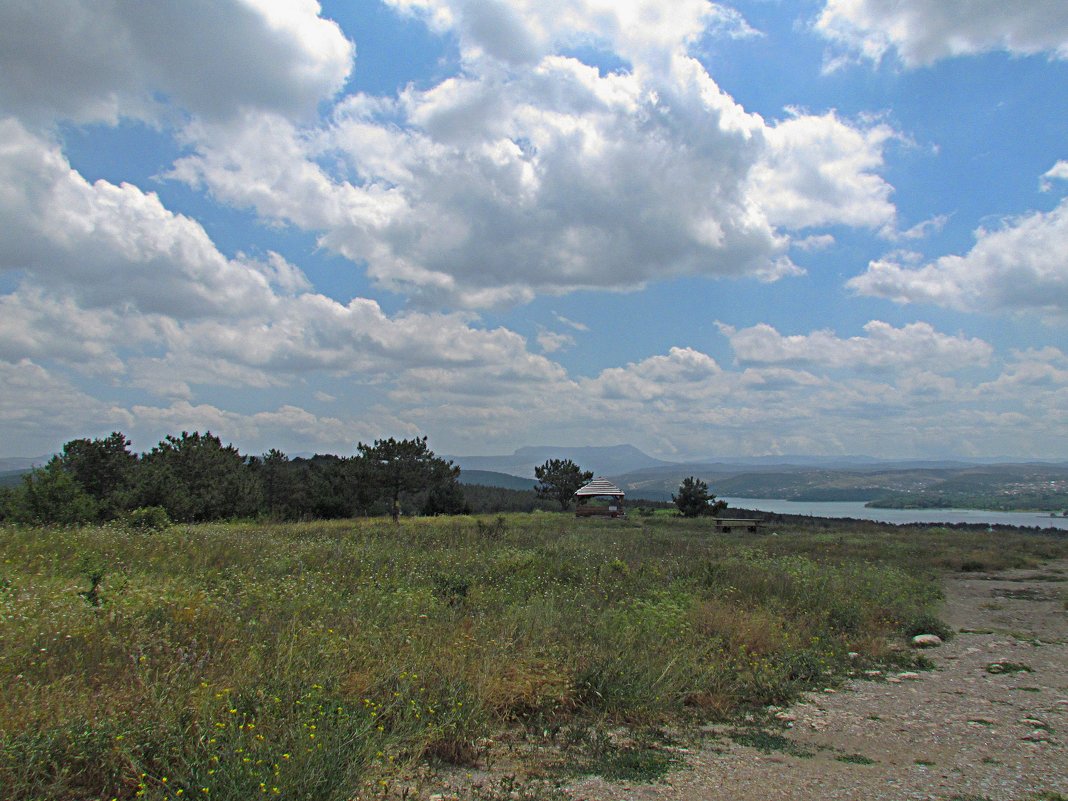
(194, 477)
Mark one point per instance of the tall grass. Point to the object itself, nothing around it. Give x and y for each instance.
(306, 660)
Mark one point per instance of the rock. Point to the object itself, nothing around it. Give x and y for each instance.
(926, 641)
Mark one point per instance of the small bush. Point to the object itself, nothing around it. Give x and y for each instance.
(148, 518)
(927, 623)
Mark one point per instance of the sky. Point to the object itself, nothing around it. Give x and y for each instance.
(706, 229)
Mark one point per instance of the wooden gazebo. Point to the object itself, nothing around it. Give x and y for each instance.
(599, 498)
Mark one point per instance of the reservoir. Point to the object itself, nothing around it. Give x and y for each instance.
(857, 509)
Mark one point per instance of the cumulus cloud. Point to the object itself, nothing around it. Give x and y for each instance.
(38, 406)
(819, 170)
(921, 32)
(913, 346)
(109, 282)
(96, 61)
(521, 31)
(36, 326)
(115, 245)
(528, 172)
(800, 395)
(1035, 368)
(314, 334)
(1017, 267)
(259, 430)
(501, 188)
(498, 185)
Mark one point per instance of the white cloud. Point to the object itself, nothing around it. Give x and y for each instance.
(97, 61)
(522, 31)
(921, 32)
(526, 173)
(684, 373)
(37, 326)
(256, 432)
(571, 323)
(499, 185)
(915, 346)
(1058, 172)
(819, 171)
(499, 189)
(1045, 368)
(39, 409)
(796, 401)
(116, 246)
(1018, 267)
(922, 230)
(814, 242)
(552, 341)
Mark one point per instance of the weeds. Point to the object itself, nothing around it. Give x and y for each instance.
(308, 660)
(1008, 667)
(641, 758)
(767, 742)
(855, 759)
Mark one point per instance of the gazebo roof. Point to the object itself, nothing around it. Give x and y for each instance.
(600, 486)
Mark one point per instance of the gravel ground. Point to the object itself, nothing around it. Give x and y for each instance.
(978, 727)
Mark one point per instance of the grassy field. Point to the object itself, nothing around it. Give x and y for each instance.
(320, 660)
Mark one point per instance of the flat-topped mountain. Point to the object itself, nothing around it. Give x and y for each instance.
(609, 460)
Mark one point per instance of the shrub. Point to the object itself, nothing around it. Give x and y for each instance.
(926, 623)
(148, 518)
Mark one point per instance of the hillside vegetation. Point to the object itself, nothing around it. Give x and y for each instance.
(322, 660)
(1004, 487)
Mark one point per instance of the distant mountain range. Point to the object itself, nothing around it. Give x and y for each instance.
(10, 463)
(910, 483)
(620, 460)
(603, 461)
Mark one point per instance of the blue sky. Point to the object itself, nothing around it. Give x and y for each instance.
(706, 229)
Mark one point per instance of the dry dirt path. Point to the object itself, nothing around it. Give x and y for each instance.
(967, 730)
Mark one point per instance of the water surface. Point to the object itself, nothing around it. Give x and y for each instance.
(858, 510)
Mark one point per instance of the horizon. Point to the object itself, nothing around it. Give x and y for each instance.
(738, 459)
(829, 228)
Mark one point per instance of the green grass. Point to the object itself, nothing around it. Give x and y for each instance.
(311, 660)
